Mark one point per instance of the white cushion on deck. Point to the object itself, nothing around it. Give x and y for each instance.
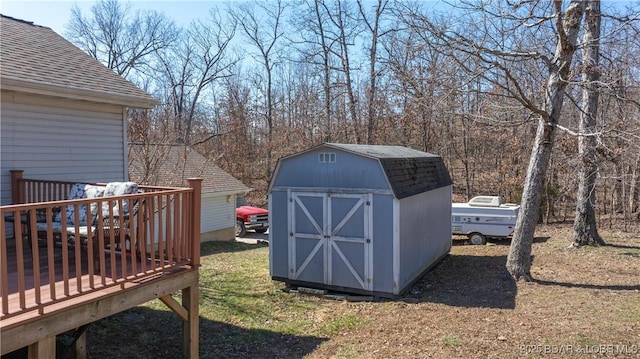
(83, 231)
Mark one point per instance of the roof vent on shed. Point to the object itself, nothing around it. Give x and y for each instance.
(327, 157)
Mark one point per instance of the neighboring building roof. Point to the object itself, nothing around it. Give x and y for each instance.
(172, 165)
(36, 60)
(408, 171)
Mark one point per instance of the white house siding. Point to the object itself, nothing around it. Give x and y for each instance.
(59, 139)
(217, 217)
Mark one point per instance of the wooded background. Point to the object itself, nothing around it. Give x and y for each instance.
(251, 82)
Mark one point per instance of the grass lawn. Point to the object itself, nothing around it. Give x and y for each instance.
(583, 303)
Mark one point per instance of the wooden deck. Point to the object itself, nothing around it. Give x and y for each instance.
(52, 282)
(59, 280)
(31, 327)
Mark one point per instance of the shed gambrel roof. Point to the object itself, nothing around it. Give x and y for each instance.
(36, 60)
(172, 165)
(409, 171)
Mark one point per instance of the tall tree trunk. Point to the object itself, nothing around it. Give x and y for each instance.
(633, 186)
(373, 72)
(568, 26)
(585, 231)
(326, 70)
(269, 69)
(340, 21)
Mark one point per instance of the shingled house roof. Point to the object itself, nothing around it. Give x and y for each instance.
(172, 165)
(409, 171)
(36, 60)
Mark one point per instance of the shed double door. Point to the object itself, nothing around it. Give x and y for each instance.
(330, 239)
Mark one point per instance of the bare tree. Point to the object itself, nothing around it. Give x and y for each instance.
(193, 65)
(316, 49)
(149, 134)
(498, 62)
(262, 25)
(568, 26)
(373, 25)
(618, 135)
(585, 225)
(344, 31)
(122, 41)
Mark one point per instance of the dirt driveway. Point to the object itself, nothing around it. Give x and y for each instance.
(254, 238)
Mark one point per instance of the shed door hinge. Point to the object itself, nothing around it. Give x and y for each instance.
(368, 203)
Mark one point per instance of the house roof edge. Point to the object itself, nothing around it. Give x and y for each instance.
(39, 88)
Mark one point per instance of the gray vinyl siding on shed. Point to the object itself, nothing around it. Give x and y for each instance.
(421, 220)
(61, 140)
(278, 228)
(349, 170)
(383, 248)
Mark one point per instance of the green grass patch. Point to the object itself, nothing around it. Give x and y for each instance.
(241, 309)
(235, 287)
(451, 341)
(349, 351)
(348, 321)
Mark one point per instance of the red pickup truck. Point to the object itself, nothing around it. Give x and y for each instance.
(249, 217)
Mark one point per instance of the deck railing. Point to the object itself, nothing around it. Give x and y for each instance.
(45, 260)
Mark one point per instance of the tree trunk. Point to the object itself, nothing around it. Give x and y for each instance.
(519, 259)
(568, 26)
(585, 230)
(326, 70)
(635, 181)
(373, 50)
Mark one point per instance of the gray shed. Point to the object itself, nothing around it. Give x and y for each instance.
(358, 218)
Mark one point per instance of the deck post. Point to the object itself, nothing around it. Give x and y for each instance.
(196, 207)
(191, 327)
(80, 347)
(17, 187)
(191, 295)
(45, 348)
